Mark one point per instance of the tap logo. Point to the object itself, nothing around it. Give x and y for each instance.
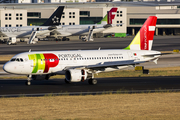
(43, 62)
(55, 19)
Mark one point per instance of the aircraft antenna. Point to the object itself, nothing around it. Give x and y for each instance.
(99, 48)
(29, 50)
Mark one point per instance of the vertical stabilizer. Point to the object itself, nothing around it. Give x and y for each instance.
(144, 38)
(55, 18)
(109, 17)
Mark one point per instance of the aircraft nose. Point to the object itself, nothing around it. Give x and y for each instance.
(7, 67)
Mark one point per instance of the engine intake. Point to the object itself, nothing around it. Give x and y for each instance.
(76, 75)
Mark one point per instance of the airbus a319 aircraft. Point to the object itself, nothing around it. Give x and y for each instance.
(81, 65)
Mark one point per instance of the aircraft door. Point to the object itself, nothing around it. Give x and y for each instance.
(130, 55)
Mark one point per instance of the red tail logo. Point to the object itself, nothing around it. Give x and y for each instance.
(111, 15)
(147, 33)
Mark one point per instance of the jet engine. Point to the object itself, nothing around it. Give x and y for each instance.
(75, 75)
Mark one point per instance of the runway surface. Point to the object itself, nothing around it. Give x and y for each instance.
(13, 87)
(161, 43)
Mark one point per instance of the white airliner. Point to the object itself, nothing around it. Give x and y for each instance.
(81, 65)
(12, 33)
(52, 25)
(87, 30)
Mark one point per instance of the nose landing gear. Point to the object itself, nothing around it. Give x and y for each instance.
(28, 82)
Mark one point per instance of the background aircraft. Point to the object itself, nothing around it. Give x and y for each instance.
(12, 33)
(52, 25)
(78, 66)
(86, 31)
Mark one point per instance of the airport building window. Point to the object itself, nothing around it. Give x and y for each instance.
(73, 13)
(6, 25)
(36, 21)
(6, 18)
(63, 23)
(17, 25)
(117, 15)
(69, 23)
(6, 14)
(69, 16)
(117, 11)
(120, 15)
(9, 18)
(33, 14)
(159, 21)
(73, 16)
(90, 20)
(17, 18)
(9, 14)
(63, 13)
(59, 23)
(120, 11)
(117, 21)
(120, 21)
(20, 25)
(9, 25)
(85, 13)
(17, 14)
(20, 18)
(73, 23)
(21, 14)
(63, 16)
(69, 13)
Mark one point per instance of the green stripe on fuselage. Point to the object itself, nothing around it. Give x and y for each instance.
(38, 62)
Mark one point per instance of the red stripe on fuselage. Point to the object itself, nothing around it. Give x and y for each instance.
(51, 60)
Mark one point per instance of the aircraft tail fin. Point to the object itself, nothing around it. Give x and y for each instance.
(109, 17)
(55, 18)
(144, 38)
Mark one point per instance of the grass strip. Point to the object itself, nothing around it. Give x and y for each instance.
(161, 106)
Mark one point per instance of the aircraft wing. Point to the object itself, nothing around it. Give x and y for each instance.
(112, 25)
(106, 65)
(63, 34)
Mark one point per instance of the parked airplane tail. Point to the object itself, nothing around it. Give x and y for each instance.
(109, 17)
(144, 38)
(55, 17)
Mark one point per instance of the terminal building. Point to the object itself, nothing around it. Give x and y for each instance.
(132, 17)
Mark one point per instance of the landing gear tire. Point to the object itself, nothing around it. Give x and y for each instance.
(66, 81)
(28, 83)
(92, 81)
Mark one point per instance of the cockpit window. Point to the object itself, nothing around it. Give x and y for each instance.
(13, 59)
(21, 59)
(17, 59)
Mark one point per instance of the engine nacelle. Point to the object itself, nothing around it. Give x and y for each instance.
(76, 75)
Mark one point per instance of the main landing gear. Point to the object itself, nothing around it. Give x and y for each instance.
(92, 81)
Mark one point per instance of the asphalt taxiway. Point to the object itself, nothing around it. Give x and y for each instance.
(18, 87)
(160, 43)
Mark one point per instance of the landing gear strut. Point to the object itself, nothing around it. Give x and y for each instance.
(28, 82)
